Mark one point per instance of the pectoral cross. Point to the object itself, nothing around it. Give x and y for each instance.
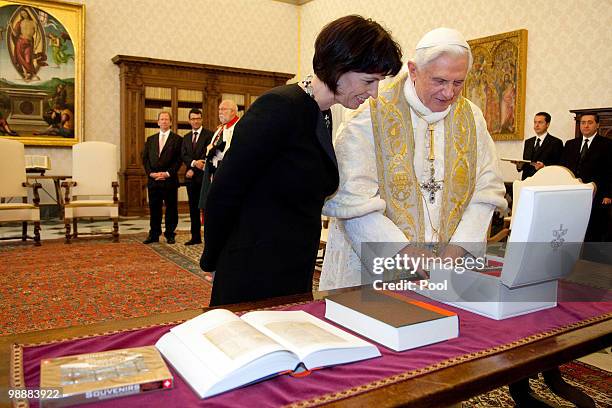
(432, 186)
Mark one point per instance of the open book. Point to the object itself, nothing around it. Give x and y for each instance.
(37, 162)
(218, 351)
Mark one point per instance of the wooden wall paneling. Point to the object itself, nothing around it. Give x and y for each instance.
(138, 73)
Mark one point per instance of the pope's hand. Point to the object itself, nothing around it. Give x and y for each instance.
(453, 252)
(415, 252)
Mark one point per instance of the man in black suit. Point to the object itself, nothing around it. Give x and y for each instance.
(193, 154)
(541, 150)
(590, 158)
(162, 159)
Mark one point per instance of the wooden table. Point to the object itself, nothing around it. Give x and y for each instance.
(442, 387)
(59, 199)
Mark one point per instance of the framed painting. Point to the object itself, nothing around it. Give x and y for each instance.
(496, 82)
(42, 71)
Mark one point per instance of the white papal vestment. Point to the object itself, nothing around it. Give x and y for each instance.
(358, 210)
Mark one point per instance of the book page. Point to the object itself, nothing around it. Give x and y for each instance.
(301, 332)
(237, 339)
(37, 162)
(224, 342)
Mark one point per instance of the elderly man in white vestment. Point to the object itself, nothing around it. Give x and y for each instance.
(417, 165)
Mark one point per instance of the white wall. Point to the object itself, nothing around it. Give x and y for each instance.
(569, 58)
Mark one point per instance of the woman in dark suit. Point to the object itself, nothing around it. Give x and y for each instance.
(263, 214)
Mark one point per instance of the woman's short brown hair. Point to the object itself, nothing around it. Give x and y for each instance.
(353, 43)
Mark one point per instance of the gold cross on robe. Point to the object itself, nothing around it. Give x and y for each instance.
(432, 186)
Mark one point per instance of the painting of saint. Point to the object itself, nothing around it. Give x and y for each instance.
(492, 110)
(507, 105)
(37, 76)
(496, 82)
(26, 42)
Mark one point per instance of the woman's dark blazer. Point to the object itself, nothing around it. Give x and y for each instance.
(263, 213)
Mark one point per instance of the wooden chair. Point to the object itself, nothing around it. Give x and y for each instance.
(92, 191)
(13, 184)
(546, 176)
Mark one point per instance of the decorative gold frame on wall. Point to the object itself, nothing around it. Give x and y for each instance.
(72, 17)
(497, 81)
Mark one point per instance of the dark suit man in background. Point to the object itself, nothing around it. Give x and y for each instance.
(590, 158)
(162, 159)
(541, 150)
(193, 154)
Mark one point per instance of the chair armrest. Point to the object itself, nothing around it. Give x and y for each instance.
(504, 233)
(35, 187)
(115, 185)
(67, 185)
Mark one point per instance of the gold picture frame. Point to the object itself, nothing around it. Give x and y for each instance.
(496, 82)
(42, 58)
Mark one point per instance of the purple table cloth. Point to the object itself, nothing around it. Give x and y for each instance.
(478, 337)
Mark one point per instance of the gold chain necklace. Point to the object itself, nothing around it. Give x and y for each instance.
(432, 186)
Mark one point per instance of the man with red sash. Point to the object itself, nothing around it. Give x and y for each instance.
(220, 143)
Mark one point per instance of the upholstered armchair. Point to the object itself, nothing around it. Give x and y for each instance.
(546, 176)
(14, 186)
(92, 191)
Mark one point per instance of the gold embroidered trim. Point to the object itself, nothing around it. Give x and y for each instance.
(16, 379)
(394, 143)
(460, 160)
(398, 184)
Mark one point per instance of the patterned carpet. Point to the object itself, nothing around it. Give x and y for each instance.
(57, 285)
(593, 381)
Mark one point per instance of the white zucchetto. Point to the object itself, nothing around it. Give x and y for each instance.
(442, 36)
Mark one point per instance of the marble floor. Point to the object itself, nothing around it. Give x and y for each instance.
(54, 228)
(601, 359)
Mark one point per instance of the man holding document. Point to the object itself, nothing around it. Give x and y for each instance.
(541, 150)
